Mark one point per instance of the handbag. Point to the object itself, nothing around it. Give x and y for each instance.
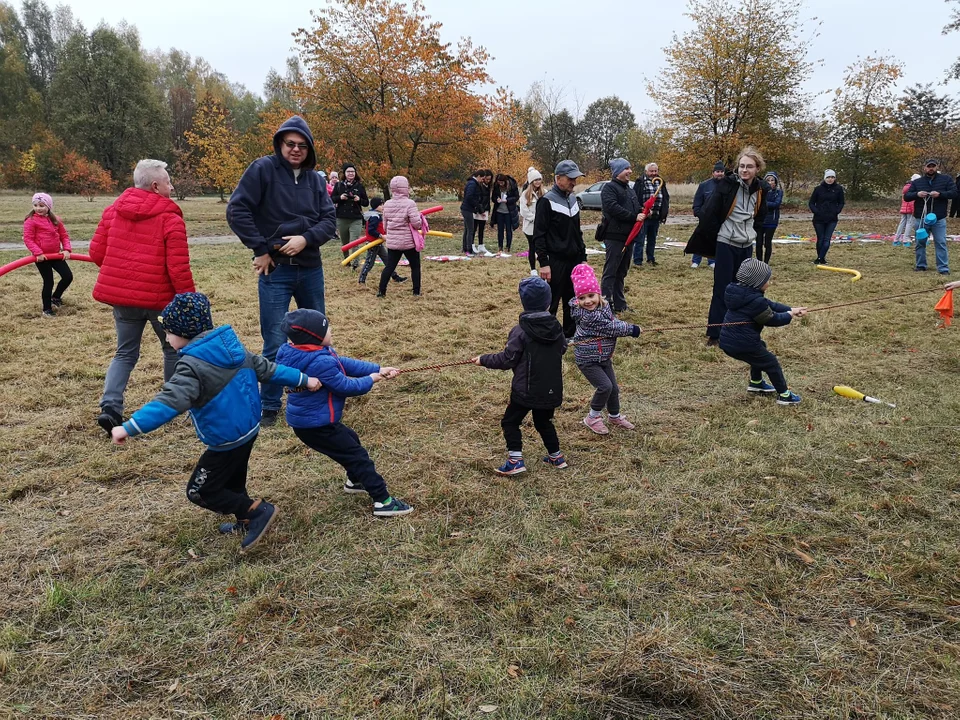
(601, 229)
(418, 235)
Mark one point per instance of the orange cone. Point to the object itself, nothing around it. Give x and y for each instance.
(945, 308)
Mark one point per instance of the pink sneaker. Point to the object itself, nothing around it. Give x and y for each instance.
(621, 421)
(596, 424)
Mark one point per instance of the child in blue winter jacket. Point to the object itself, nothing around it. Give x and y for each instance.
(595, 322)
(315, 417)
(215, 380)
(747, 305)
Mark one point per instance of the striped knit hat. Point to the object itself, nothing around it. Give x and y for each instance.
(754, 273)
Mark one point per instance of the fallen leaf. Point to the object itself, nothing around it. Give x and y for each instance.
(487, 708)
(193, 553)
(173, 688)
(242, 640)
(569, 621)
(906, 543)
(231, 590)
(805, 546)
(514, 671)
(807, 559)
(736, 589)
(852, 622)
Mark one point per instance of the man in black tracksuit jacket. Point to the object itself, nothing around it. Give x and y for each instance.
(621, 211)
(558, 239)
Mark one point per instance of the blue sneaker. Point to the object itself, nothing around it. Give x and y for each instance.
(391, 508)
(557, 462)
(511, 467)
(761, 387)
(788, 398)
(230, 528)
(260, 521)
(353, 488)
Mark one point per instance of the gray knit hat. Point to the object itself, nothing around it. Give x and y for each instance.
(754, 273)
(618, 165)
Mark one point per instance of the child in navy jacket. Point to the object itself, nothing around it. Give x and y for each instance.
(374, 222)
(747, 305)
(315, 417)
(215, 380)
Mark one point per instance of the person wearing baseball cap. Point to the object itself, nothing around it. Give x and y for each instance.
(931, 192)
(558, 239)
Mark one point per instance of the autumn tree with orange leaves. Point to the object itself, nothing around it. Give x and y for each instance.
(214, 147)
(502, 138)
(389, 94)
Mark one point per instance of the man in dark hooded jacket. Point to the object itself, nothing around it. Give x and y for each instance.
(280, 209)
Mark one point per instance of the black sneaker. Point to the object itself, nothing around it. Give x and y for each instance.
(393, 507)
(56, 302)
(362, 280)
(653, 262)
(713, 342)
(919, 269)
(399, 278)
(108, 419)
(352, 488)
(268, 418)
(380, 294)
(260, 521)
(48, 313)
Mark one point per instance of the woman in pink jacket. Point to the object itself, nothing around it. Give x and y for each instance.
(907, 225)
(44, 235)
(401, 218)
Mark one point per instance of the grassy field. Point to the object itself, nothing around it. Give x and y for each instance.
(729, 559)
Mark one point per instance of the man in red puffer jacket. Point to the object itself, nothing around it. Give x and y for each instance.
(141, 248)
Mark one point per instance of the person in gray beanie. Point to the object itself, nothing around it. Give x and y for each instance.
(621, 211)
(748, 311)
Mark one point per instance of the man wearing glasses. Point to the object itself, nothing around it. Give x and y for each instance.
(929, 194)
(280, 209)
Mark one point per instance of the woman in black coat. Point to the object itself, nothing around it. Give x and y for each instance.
(826, 204)
(505, 214)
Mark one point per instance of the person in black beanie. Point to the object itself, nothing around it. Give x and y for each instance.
(534, 352)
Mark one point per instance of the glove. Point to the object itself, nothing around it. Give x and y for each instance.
(635, 330)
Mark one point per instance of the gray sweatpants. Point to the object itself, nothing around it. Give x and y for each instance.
(130, 322)
(604, 379)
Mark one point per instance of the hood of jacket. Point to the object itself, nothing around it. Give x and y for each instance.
(220, 347)
(299, 125)
(137, 205)
(399, 187)
(541, 326)
(738, 296)
(774, 176)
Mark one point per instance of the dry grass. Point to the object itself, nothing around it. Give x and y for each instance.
(730, 559)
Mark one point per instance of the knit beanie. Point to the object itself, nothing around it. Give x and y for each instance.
(829, 173)
(534, 294)
(754, 273)
(533, 174)
(187, 315)
(584, 280)
(45, 199)
(618, 165)
(718, 166)
(305, 327)
(913, 177)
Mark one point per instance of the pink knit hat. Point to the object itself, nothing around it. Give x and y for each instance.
(45, 199)
(584, 280)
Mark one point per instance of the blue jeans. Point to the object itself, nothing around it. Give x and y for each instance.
(648, 236)
(729, 258)
(939, 232)
(284, 282)
(698, 259)
(824, 234)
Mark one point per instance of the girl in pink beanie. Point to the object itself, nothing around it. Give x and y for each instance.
(593, 346)
(45, 235)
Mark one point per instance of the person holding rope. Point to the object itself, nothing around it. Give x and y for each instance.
(730, 222)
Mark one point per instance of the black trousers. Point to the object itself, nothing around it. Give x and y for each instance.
(514, 416)
(378, 252)
(615, 269)
(219, 481)
(765, 244)
(532, 257)
(728, 261)
(561, 290)
(761, 361)
(342, 445)
(46, 272)
(955, 207)
(393, 259)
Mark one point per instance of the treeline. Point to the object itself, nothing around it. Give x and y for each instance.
(380, 88)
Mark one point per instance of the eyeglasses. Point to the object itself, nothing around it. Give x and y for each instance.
(291, 144)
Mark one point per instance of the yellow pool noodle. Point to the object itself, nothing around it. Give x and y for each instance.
(361, 251)
(848, 391)
(856, 274)
(440, 233)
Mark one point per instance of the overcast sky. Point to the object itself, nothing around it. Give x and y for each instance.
(591, 48)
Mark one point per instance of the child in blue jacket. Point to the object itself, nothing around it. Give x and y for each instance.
(315, 417)
(215, 380)
(746, 304)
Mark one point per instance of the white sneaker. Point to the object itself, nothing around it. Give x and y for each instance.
(534, 273)
(503, 254)
(483, 251)
(476, 250)
(694, 265)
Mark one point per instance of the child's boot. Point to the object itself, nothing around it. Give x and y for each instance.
(258, 524)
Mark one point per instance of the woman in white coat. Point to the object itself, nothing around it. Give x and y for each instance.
(532, 192)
